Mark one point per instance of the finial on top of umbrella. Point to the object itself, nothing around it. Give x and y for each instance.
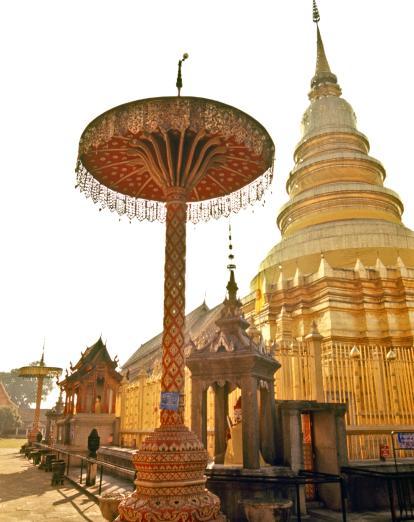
(315, 12)
(42, 359)
(179, 82)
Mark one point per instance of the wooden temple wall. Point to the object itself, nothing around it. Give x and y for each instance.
(378, 389)
(138, 408)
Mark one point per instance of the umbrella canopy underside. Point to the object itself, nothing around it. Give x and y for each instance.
(131, 155)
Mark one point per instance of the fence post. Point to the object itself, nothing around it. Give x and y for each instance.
(298, 510)
(100, 479)
(343, 505)
(391, 497)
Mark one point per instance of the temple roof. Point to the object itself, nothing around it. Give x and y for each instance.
(27, 415)
(97, 349)
(198, 320)
(95, 354)
(5, 397)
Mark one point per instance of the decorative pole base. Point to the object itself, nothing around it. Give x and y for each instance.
(171, 481)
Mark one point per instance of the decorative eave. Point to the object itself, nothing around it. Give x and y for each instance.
(234, 335)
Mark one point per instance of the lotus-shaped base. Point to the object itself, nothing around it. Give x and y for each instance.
(171, 481)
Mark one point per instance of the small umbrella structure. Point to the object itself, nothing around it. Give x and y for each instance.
(173, 159)
(40, 373)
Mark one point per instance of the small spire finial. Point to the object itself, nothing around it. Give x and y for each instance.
(231, 265)
(315, 12)
(231, 285)
(179, 83)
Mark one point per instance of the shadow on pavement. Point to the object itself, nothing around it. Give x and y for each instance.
(70, 499)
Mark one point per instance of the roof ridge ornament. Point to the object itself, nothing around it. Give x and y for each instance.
(179, 83)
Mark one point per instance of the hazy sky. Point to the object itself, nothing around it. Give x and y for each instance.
(68, 272)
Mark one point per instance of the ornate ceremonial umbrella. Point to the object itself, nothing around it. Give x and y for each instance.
(173, 159)
(40, 373)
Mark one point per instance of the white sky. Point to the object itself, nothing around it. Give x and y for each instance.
(68, 272)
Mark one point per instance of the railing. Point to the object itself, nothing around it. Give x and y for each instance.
(304, 478)
(301, 480)
(400, 488)
(84, 463)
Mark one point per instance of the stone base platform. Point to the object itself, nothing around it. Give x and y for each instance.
(234, 484)
(78, 427)
(118, 457)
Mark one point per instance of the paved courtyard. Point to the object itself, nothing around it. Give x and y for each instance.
(27, 496)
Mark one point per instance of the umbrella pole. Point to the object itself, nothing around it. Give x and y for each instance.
(171, 461)
(35, 428)
(173, 360)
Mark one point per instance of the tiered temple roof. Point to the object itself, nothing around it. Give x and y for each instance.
(199, 321)
(93, 355)
(5, 399)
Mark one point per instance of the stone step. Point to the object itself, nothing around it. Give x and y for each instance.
(314, 504)
(333, 516)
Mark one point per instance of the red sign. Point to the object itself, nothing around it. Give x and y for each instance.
(384, 451)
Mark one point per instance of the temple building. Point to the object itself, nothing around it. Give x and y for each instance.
(90, 390)
(333, 301)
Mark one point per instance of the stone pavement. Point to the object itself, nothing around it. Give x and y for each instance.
(27, 496)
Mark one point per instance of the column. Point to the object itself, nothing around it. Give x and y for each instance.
(221, 411)
(199, 410)
(250, 422)
(314, 341)
(267, 422)
(395, 394)
(48, 427)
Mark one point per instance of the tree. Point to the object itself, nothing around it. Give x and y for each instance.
(9, 419)
(22, 390)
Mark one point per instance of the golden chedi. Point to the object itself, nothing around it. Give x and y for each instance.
(344, 253)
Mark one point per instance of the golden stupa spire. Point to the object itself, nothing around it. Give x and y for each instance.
(324, 81)
(322, 65)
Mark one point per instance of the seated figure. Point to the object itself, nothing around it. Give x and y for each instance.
(98, 404)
